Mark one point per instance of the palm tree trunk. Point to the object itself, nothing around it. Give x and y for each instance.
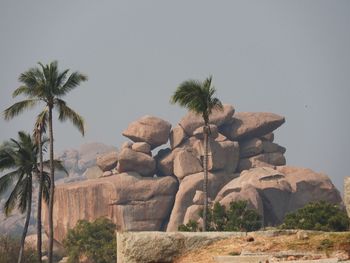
(26, 224)
(205, 181)
(40, 194)
(52, 190)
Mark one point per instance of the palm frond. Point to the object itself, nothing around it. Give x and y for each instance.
(7, 180)
(73, 81)
(33, 79)
(41, 123)
(25, 193)
(57, 165)
(67, 113)
(12, 199)
(18, 108)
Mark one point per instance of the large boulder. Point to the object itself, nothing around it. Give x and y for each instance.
(131, 161)
(186, 163)
(187, 190)
(132, 202)
(93, 172)
(177, 136)
(192, 121)
(251, 124)
(150, 129)
(281, 190)
(262, 160)
(308, 186)
(250, 147)
(107, 161)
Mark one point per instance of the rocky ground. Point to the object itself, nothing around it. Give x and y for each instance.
(298, 245)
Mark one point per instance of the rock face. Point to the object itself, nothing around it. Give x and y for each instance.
(152, 130)
(193, 121)
(187, 190)
(347, 194)
(275, 192)
(107, 161)
(129, 200)
(131, 161)
(252, 124)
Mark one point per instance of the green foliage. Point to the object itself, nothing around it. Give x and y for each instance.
(320, 216)
(191, 226)
(237, 218)
(95, 240)
(9, 249)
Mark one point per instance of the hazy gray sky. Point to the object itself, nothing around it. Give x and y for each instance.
(286, 57)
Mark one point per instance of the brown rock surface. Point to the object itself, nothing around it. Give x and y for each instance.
(131, 161)
(193, 121)
(132, 202)
(142, 147)
(198, 133)
(250, 147)
(262, 160)
(150, 129)
(107, 161)
(186, 163)
(187, 189)
(251, 124)
(281, 190)
(176, 137)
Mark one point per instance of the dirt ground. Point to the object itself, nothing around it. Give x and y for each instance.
(304, 245)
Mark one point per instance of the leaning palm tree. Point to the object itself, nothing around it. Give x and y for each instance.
(19, 157)
(47, 85)
(198, 97)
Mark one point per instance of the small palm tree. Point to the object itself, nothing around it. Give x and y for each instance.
(198, 97)
(20, 158)
(47, 85)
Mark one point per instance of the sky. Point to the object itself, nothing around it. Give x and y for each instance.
(287, 57)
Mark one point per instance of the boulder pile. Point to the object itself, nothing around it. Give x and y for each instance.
(244, 163)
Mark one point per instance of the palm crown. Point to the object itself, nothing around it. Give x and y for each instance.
(48, 85)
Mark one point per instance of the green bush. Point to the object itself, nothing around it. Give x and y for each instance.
(237, 218)
(95, 240)
(9, 249)
(320, 216)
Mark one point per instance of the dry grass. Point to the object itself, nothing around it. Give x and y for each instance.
(318, 243)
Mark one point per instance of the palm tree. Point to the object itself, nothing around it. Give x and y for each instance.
(20, 158)
(198, 97)
(39, 129)
(47, 85)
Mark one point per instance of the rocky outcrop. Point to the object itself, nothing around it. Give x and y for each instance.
(275, 192)
(244, 163)
(132, 202)
(150, 129)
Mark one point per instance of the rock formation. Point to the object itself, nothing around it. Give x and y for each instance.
(162, 190)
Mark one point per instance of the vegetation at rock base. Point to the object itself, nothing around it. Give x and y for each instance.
(94, 240)
(238, 217)
(9, 249)
(320, 216)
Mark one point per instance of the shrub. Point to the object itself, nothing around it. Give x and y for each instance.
(95, 240)
(237, 218)
(9, 249)
(320, 215)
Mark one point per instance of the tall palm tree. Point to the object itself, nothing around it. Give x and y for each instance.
(20, 158)
(198, 97)
(48, 85)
